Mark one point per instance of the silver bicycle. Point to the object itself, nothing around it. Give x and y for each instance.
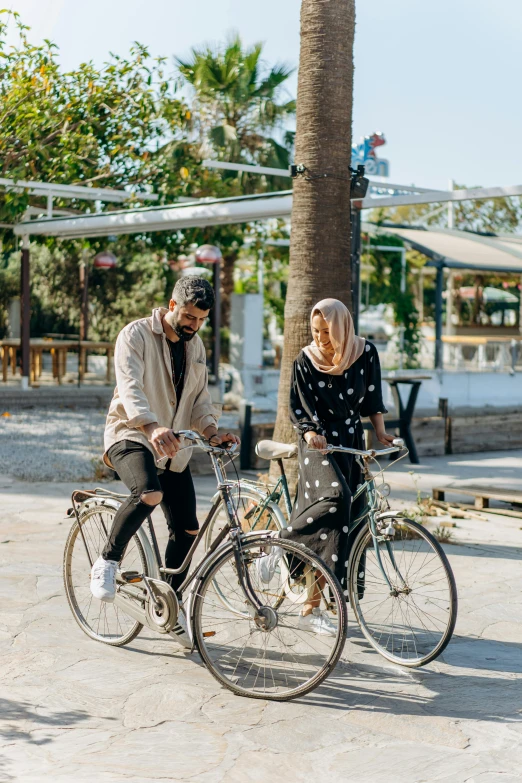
(246, 630)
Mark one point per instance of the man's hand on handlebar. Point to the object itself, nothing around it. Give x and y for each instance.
(164, 441)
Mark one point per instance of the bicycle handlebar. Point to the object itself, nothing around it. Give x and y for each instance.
(200, 442)
(398, 444)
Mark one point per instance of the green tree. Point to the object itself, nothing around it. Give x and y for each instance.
(88, 126)
(238, 103)
(237, 106)
(488, 215)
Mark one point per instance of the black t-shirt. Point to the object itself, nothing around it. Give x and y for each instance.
(177, 353)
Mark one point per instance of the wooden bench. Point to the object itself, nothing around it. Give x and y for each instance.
(481, 495)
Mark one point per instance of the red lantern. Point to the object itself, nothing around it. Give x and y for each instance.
(208, 254)
(105, 260)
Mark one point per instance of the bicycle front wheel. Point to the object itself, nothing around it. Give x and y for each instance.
(283, 657)
(409, 616)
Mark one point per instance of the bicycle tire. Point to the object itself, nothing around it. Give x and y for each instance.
(75, 538)
(203, 642)
(357, 591)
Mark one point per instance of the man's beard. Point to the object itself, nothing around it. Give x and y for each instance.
(183, 332)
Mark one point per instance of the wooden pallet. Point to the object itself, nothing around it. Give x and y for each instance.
(481, 495)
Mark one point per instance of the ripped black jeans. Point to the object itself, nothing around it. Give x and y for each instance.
(136, 467)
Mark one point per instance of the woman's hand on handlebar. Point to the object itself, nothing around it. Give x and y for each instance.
(315, 441)
(384, 438)
(164, 441)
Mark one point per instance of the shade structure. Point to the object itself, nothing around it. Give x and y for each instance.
(211, 212)
(453, 249)
(459, 249)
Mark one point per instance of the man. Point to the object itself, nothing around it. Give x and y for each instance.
(161, 388)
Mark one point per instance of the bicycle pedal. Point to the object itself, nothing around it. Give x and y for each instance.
(131, 577)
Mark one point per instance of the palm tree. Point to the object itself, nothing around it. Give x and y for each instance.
(237, 102)
(237, 105)
(320, 234)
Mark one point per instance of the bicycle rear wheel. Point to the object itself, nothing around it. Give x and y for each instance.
(104, 622)
(284, 660)
(411, 623)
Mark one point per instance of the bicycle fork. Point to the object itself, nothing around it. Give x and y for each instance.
(394, 591)
(265, 617)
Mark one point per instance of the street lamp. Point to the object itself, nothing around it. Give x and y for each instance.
(210, 254)
(103, 260)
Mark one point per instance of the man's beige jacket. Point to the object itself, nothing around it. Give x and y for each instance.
(145, 392)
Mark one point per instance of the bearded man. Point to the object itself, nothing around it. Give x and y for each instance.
(161, 388)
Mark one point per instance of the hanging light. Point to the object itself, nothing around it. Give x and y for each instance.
(105, 260)
(208, 254)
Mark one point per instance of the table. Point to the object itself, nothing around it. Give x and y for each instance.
(405, 411)
(58, 350)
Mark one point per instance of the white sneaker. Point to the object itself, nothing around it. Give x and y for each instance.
(317, 622)
(180, 632)
(103, 579)
(266, 564)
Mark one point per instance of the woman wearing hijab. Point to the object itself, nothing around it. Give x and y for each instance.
(335, 380)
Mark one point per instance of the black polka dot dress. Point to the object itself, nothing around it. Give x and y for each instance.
(331, 405)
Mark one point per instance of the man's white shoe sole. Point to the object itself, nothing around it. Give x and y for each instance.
(107, 598)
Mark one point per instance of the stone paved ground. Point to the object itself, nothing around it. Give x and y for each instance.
(74, 710)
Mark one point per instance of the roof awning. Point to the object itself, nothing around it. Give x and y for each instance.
(459, 249)
(208, 212)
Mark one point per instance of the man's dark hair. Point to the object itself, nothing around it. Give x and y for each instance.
(194, 290)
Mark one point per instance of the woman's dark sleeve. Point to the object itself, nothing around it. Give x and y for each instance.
(303, 414)
(373, 402)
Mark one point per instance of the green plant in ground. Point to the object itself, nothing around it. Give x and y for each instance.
(444, 535)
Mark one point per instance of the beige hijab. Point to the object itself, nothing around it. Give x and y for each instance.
(348, 347)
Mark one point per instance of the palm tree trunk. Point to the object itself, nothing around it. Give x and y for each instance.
(320, 235)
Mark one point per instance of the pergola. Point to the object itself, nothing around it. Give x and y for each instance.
(242, 209)
(456, 250)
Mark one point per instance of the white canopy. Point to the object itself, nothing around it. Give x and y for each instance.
(205, 212)
(459, 249)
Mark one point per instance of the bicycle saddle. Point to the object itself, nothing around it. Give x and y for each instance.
(271, 449)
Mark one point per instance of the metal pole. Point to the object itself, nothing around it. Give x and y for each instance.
(449, 303)
(451, 213)
(245, 428)
(439, 286)
(261, 272)
(84, 306)
(403, 270)
(216, 322)
(355, 259)
(25, 319)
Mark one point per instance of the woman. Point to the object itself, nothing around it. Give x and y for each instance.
(336, 380)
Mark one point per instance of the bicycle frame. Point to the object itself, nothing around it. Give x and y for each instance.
(232, 529)
(369, 511)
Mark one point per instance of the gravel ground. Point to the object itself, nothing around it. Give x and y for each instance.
(65, 445)
(51, 445)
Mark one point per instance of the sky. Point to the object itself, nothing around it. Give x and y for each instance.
(440, 80)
